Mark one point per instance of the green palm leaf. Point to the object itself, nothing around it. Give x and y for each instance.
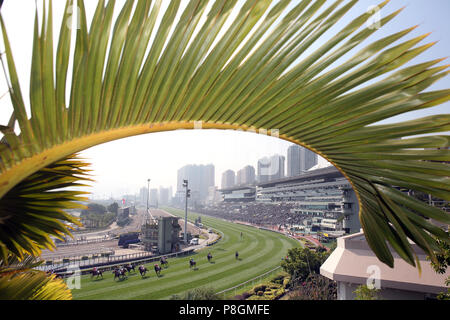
(19, 281)
(33, 285)
(33, 210)
(250, 75)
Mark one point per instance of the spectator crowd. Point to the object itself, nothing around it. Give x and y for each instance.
(261, 214)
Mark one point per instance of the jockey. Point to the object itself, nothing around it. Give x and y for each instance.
(94, 269)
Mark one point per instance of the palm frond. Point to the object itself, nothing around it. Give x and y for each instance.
(248, 71)
(33, 210)
(34, 285)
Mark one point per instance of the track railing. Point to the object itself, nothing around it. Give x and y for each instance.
(108, 263)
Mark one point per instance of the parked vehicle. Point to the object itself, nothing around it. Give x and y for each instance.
(128, 238)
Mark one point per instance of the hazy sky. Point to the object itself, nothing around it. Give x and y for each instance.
(125, 165)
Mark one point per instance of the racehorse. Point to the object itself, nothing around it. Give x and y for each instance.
(192, 263)
(157, 270)
(209, 257)
(164, 262)
(142, 271)
(130, 267)
(96, 272)
(120, 273)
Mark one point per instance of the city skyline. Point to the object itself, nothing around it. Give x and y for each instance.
(233, 150)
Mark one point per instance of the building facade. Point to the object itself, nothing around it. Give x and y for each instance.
(239, 194)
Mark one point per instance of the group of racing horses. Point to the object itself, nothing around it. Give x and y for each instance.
(122, 271)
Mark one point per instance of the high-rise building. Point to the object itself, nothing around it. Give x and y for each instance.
(200, 178)
(143, 194)
(262, 168)
(293, 161)
(228, 179)
(299, 159)
(308, 159)
(164, 197)
(153, 200)
(270, 168)
(238, 180)
(246, 176)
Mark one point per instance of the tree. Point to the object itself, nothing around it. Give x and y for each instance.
(363, 292)
(301, 262)
(113, 207)
(94, 208)
(441, 265)
(253, 76)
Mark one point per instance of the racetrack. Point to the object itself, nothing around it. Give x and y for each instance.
(259, 251)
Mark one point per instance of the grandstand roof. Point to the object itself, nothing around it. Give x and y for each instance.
(328, 172)
(236, 188)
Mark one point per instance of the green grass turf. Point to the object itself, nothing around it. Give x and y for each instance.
(259, 252)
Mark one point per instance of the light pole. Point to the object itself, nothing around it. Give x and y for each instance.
(186, 184)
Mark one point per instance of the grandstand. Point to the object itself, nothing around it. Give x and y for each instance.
(321, 194)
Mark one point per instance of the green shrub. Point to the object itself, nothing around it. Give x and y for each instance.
(261, 287)
(363, 292)
(278, 279)
(286, 282)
